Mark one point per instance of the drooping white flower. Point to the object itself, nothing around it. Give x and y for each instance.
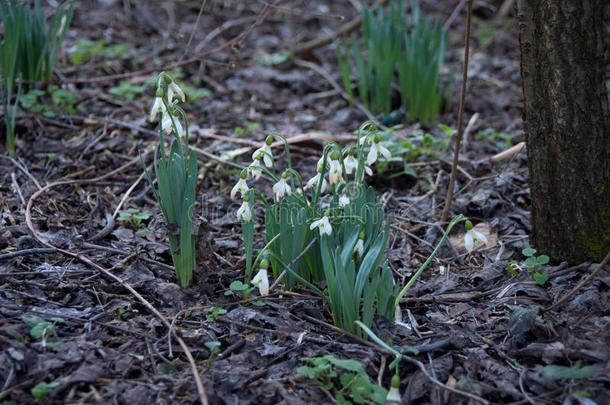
(281, 188)
(472, 236)
(156, 107)
(393, 397)
(343, 200)
(313, 182)
(261, 280)
(172, 88)
(351, 164)
(169, 128)
(244, 213)
(359, 248)
(376, 149)
(254, 171)
(323, 225)
(265, 152)
(334, 173)
(240, 187)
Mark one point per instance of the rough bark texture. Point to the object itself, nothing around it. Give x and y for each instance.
(567, 126)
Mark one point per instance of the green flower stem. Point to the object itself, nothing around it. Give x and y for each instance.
(455, 220)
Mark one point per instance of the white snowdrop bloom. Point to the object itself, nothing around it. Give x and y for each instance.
(334, 173)
(265, 153)
(471, 237)
(174, 88)
(261, 280)
(393, 397)
(313, 182)
(343, 200)
(240, 187)
(255, 172)
(351, 164)
(244, 213)
(281, 188)
(169, 128)
(359, 248)
(323, 225)
(157, 105)
(376, 149)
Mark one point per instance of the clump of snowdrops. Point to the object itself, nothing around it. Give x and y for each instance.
(176, 172)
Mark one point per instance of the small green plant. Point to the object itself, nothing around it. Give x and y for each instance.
(237, 287)
(62, 101)
(248, 127)
(420, 65)
(213, 312)
(28, 49)
(42, 389)
(176, 176)
(85, 50)
(127, 90)
(41, 329)
(391, 43)
(532, 265)
(134, 217)
(574, 372)
(501, 139)
(346, 379)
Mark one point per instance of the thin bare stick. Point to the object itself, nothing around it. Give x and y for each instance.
(292, 263)
(580, 285)
(460, 133)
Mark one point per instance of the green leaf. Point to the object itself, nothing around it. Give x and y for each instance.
(540, 278)
(542, 259)
(238, 286)
(311, 372)
(528, 251)
(554, 371)
(531, 261)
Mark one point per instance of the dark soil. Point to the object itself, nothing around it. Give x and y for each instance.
(474, 323)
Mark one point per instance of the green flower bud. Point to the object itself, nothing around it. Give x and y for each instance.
(377, 138)
(246, 197)
(468, 225)
(351, 152)
(285, 174)
(334, 155)
(167, 78)
(160, 92)
(362, 235)
(327, 213)
(269, 140)
(244, 174)
(264, 264)
(395, 381)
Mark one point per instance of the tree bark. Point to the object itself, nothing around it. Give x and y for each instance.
(567, 126)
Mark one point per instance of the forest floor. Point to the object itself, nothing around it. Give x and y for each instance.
(478, 328)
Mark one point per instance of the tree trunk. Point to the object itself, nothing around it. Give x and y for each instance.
(567, 126)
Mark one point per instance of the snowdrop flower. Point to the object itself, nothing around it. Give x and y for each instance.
(253, 171)
(393, 397)
(313, 182)
(334, 173)
(359, 248)
(158, 105)
(169, 128)
(376, 149)
(350, 162)
(323, 225)
(244, 213)
(265, 152)
(261, 279)
(281, 188)
(343, 200)
(241, 186)
(172, 88)
(472, 236)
